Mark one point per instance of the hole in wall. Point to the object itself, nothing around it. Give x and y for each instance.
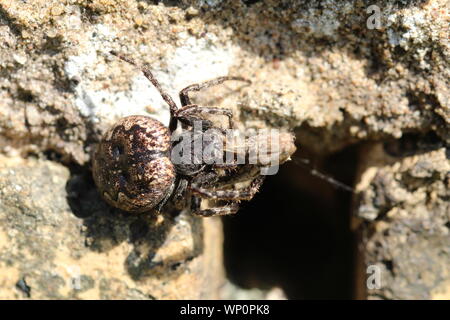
(295, 234)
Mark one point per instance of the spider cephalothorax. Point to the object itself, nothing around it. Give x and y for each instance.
(134, 168)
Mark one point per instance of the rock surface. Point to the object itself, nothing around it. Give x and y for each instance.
(316, 67)
(58, 240)
(405, 217)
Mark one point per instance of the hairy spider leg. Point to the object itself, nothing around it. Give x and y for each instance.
(184, 96)
(231, 195)
(231, 208)
(149, 75)
(236, 195)
(189, 110)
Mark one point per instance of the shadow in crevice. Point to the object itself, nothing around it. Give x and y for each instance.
(5, 18)
(413, 143)
(295, 234)
(107, 227)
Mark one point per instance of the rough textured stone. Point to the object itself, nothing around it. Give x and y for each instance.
(59, 240)
(405, 217)
(315, 66)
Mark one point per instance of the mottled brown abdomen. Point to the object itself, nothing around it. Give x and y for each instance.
(131, 165)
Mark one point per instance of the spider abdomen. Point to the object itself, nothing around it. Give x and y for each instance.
(131, 165)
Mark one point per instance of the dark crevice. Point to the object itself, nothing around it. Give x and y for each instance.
(295, 234)
(413, 143)
(89, 14)
(250, 2)
(167, 3)
(389, 265)
(25, 95)
(15, 27)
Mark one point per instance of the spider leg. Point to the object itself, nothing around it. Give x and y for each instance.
(191, 120)
(178, 196)
(149, 75)
(184, 97)
(166, 198)
(235, 195)
(193, 109)
(228, 166)
(206, 178)
(231, 208)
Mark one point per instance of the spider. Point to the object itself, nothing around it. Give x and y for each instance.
(133, 165)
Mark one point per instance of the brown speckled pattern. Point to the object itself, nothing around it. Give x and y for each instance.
(131, 165)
